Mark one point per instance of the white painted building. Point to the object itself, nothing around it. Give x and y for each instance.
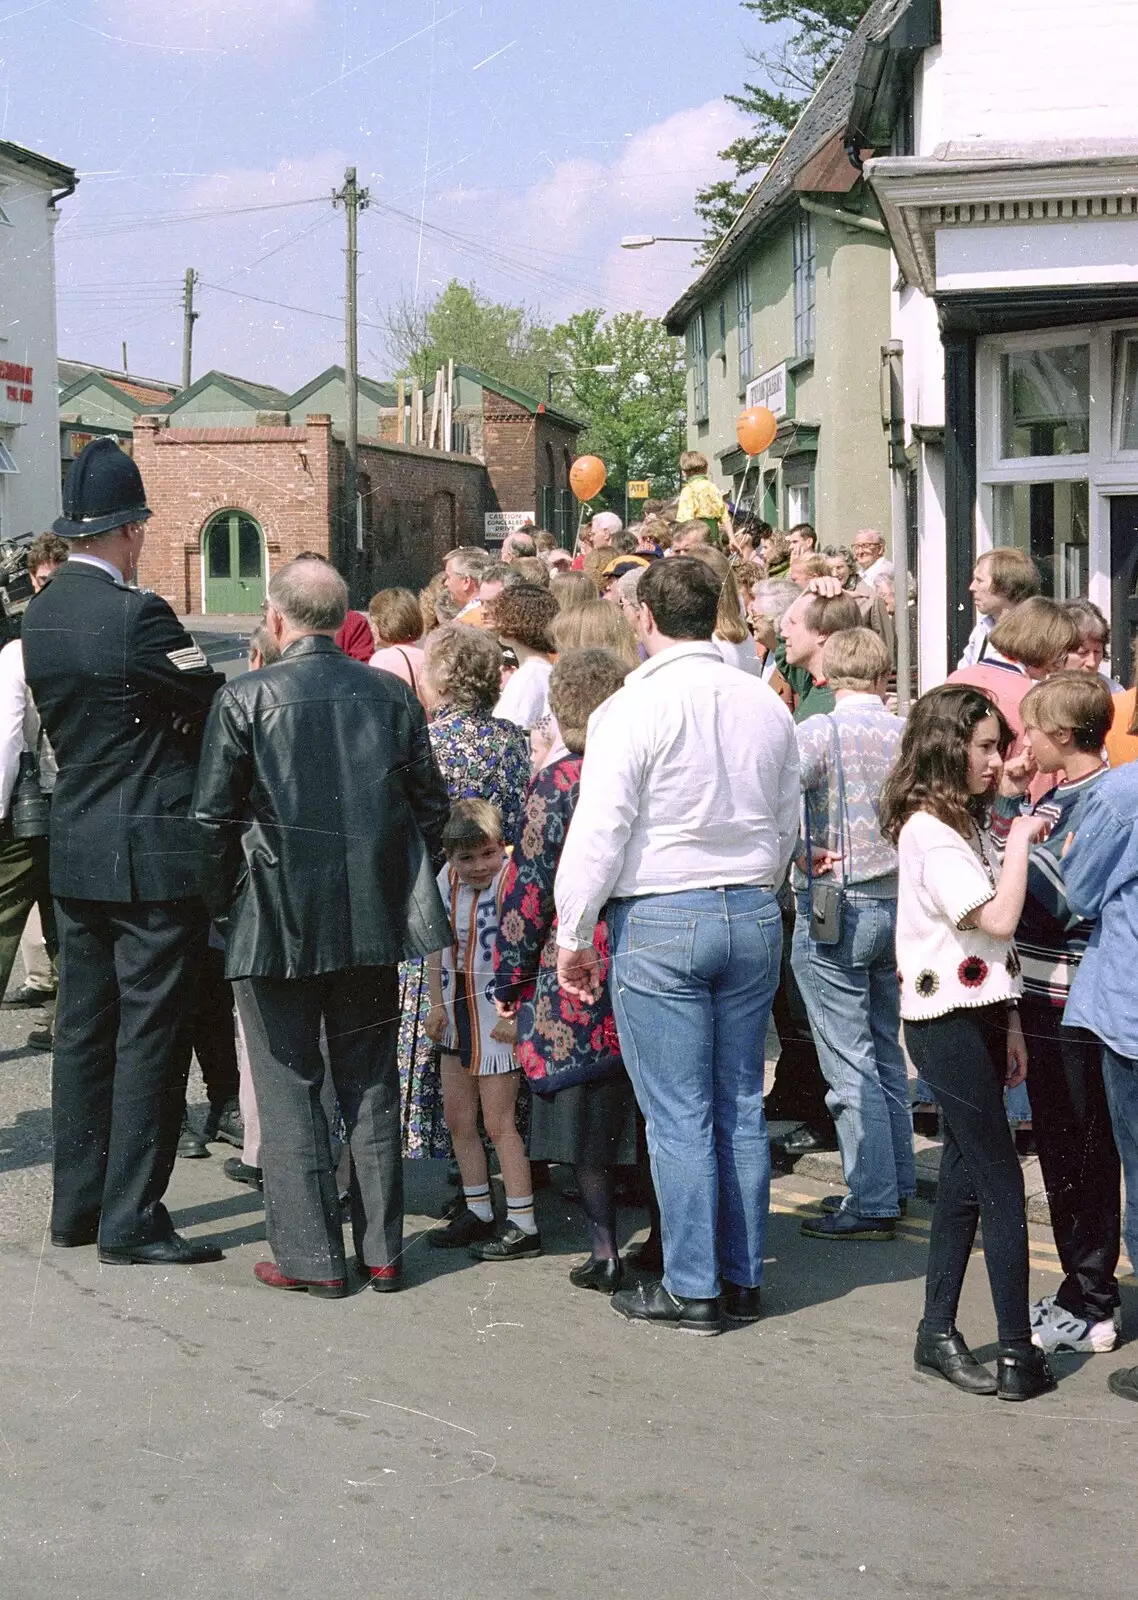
(30, 187)
(1011, 199)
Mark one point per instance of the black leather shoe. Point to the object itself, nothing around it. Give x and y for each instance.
(848, 1225)
(41, 1038)
(241, 1172)
(947, 1354)
(172, 1252)
(651, 1302)
(1123, 1381)
(833, 1202)
(740, 1305)
(224, 1123)
(27, 996)
(464, 1228)
(191, 1145)
(509, 1243)
(604, 1276)
(1022, 1374)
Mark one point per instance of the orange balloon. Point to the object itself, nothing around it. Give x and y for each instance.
(587, 476)
(756, 429)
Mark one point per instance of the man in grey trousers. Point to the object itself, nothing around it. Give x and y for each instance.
(322, 811)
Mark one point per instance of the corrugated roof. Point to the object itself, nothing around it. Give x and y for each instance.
(70, 372)
(826, 115)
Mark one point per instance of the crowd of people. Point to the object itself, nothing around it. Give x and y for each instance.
(518, 870)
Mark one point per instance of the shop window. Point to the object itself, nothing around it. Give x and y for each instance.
(1045, 401)
(699, 366)
(804, 271)
(1050, 522)
(746, 329)
(1127, 409)
(798, 488)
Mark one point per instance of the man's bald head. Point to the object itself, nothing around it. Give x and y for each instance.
(310, 596)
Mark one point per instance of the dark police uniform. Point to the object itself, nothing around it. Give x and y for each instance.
(116, 678)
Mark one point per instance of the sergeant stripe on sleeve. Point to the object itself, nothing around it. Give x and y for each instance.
(188, 658)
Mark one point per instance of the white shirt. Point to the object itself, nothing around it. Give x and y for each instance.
(104, 566)
(975, 645)
(744, 655)
(690, 781)
(19, 725)
(881, 568)
(525, 699)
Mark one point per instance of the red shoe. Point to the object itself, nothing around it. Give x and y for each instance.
(268, 1273)
(385, 1280)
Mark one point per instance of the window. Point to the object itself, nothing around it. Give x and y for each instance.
(746, 331)
(1045, 401)
(699, 366)
(7, 463)
(797, 503)
(1127, 407)
(1050, 522)
(804, 261)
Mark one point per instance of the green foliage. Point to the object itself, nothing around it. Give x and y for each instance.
(635, 415)
(463, 325)
(818, 33)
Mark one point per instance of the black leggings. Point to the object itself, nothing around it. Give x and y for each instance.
(962, 1057)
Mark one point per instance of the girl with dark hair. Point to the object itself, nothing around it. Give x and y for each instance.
(957, 912)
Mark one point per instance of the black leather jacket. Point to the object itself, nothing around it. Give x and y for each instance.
(322, 811)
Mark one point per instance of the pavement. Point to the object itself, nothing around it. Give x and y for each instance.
(493, 1432)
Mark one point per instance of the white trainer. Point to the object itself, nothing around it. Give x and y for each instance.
(1041, 1310)
(1079, 1335)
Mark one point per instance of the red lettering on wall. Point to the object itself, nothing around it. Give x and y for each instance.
(24, 396)
(11, 373)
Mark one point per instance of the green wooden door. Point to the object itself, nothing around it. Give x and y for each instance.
(234, 562)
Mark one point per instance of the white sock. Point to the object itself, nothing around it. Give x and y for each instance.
(519, 1210)
(478, 1201)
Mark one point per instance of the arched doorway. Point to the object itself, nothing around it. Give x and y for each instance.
(233, 564)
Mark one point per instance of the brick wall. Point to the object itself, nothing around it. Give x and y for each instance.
(514, 444)
(280, 476)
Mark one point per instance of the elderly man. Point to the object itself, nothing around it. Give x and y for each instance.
(516, 546)
(322, 808)
(462, 576)
(868, 550)
(687, 816)
(689, 536)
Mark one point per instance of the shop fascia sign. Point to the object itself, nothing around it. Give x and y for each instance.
(17, 382)
(773, 390)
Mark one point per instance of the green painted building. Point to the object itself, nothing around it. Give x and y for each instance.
(791, 312)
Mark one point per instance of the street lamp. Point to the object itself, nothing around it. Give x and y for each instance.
(641, 241)
(561, 372)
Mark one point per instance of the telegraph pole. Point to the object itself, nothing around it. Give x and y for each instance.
(354, 200)
(191, 316)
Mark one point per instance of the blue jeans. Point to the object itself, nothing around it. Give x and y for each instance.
(693, 975)
(1120, 1079)
(852, 1000)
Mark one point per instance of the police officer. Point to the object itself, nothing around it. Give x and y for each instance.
(123, 692)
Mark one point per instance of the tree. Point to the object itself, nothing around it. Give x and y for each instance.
(818, 33)
(635, 415)
(508, 342)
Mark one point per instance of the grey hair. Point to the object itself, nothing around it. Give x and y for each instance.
(501, 572)
(628, 583)
(311, 595)
(773, 597)
(262, 641)
(468, 560)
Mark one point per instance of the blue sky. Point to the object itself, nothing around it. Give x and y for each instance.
(528, 139)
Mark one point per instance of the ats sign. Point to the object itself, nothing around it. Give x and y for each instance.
(17, 382)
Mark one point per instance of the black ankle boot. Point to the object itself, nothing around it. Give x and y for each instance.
(947, 1354)
(1022, 1374)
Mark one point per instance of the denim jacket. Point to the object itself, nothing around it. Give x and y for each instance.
(1101, 872)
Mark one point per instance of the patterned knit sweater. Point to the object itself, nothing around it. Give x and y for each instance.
(869, 737)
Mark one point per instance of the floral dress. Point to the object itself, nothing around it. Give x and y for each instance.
(590, 1122)
(480, 758)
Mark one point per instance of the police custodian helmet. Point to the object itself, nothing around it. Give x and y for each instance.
(102, 491)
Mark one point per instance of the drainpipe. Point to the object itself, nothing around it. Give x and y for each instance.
(893, 421)
(849, 218)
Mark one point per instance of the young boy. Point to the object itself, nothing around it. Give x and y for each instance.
(479, 1069)
(1066, 719)
(700, 500)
